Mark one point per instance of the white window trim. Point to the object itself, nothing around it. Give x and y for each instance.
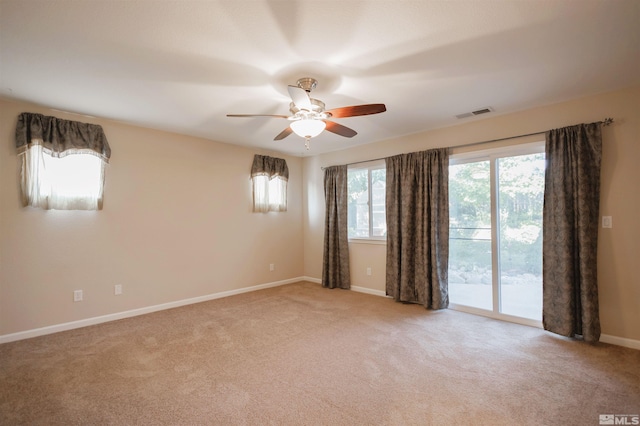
(498, 152)
(372, 240)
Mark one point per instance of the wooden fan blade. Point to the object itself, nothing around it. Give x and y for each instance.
(353, 111)
(258, 115)
(283, 134)
(339, 129)
(300, 97)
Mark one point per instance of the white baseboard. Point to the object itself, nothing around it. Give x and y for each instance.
(368, 291)
(620, 341)
(604, 338)
(140, 311)
(352, 288)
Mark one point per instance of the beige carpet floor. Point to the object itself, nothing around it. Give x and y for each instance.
(303, 355)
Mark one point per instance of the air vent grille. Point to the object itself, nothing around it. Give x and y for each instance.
(476, 112)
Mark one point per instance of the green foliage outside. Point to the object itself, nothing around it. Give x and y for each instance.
(357, 188)
(520, 198)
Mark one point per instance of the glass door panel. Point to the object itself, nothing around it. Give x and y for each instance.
(495, 232)
(470, 271)
(520, 198)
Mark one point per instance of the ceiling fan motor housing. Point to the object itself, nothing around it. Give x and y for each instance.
(317, 107)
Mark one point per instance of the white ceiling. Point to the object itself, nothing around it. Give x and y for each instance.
(182, 65)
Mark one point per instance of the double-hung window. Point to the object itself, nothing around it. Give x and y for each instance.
(366, 186)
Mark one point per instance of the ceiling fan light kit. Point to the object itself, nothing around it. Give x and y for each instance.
(308, 128)
(309, 117)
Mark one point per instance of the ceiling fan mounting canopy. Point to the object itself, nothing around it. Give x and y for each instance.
(309, 117)
(307, 83)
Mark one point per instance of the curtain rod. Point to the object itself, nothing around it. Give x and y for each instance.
(607, 121)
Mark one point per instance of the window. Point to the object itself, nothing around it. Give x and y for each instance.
(63, 162)
(495, 230)
(366, 187)
(72, 182)
(269, 194)
(269, 177)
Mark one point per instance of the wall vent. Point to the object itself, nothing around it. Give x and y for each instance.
(476, 112)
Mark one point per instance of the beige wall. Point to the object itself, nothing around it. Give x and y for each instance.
(176, 224)
(618, 248)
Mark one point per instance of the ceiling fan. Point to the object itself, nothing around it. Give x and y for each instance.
(309, 118)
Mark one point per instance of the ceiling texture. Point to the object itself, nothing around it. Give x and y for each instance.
(182, 65)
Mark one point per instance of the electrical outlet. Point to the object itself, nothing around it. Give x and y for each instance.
(368, 271)
(117, 289)
(77, 295)
(607, 222)
(272, 267)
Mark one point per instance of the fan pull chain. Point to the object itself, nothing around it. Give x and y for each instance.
(307, 143)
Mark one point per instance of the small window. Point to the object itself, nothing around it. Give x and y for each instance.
(269, 176)
(72, 182)
(269, 194)
(62, 162)
(366, 187)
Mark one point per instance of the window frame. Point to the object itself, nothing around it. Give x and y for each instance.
(69, 182)
(269, 194)
(493, 155)
(369, 166)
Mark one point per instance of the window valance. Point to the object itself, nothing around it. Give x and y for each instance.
(59, 138)
(269, 166)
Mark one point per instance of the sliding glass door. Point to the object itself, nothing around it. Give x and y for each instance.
(495, 250)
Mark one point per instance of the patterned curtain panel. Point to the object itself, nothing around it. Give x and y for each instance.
(418, 228)
(335, 265)
(570, 231)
